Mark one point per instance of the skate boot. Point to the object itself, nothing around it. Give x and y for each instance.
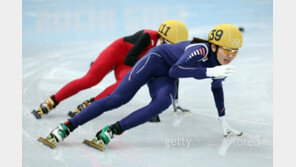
(104, 136)
(177, 106)
(155, 119)
(45, 107)
(57, 135)
(80, 107)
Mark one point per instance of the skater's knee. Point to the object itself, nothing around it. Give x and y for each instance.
(118, 99)
(90, 80)
(166, 101)
(157, 106)
(162, 102)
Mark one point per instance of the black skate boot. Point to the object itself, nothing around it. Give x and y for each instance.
(155, 119)
(45, 107)
(80, 107)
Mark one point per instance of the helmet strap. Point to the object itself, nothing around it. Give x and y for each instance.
(164, 41)
(215, 53)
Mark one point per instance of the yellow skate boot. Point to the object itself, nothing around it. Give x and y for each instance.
(45, 107)
(80, 107)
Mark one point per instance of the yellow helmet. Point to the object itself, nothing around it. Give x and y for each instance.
(173, 31)
(226, 35)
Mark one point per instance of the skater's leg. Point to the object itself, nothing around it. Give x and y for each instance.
(100, 68)
(175, 99)
(141, 73)
(176, 104)
(120, 71)
(142, 67)
(124, 93)
(161, 89)
(177, 92)
(145, 69)
(105, 62)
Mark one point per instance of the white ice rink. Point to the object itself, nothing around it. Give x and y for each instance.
(61, 39)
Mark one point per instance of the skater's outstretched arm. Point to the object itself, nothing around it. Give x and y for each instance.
(217, 90)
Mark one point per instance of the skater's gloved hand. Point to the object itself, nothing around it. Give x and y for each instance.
(220, 72)
(227, 129)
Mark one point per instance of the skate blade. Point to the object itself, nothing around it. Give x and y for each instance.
(36, 115)
(91, 144)
(187, 111)
(227, 134)
(46, 142)
(240, 134)
(184, 110)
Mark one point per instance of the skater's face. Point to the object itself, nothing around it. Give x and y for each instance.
(225, 55)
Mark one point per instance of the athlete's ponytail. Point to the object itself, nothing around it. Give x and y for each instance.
(198, 40)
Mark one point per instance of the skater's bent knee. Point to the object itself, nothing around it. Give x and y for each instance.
(162, 102)
(91, 80)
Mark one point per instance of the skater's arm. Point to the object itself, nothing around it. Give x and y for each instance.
(139, 46)
(217, 90)
(189, 65)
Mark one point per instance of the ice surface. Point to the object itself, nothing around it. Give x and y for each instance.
(61, 39)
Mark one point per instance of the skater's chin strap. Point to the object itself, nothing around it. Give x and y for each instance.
(215, 54)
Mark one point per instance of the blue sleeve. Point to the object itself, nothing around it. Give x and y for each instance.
(217, 90)
(189, 65)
